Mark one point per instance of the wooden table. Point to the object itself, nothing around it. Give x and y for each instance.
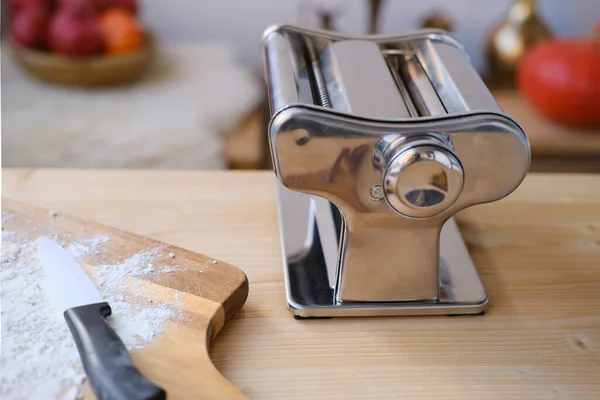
(538, 252)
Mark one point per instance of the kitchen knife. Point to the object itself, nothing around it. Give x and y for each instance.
(108, 365)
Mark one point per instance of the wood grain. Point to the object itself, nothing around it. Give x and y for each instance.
(208, 294)
(538, 252)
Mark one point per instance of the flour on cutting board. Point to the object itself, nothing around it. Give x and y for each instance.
(39, 359)
(87, 246)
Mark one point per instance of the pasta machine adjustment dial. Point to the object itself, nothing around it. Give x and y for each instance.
(422, 181)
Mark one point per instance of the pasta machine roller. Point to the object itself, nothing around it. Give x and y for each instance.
(377, 142)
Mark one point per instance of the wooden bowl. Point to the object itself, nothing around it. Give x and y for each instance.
(99, 70)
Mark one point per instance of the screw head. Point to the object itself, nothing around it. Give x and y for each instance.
(377, 193)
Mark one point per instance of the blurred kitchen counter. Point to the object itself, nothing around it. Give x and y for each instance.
(246, 147)
(555, 148)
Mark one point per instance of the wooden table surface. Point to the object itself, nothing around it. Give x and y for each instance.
(538, 253)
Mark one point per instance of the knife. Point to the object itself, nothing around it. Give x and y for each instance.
(106, 361)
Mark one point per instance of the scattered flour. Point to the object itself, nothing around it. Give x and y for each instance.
(113, 275)
(39, 359)
(87, 246)
(39, 356)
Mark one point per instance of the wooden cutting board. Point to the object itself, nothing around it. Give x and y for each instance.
(208, 292)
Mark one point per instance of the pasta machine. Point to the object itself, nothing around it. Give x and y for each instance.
(377, 142)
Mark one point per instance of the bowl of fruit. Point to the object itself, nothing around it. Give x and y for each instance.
(80, 42)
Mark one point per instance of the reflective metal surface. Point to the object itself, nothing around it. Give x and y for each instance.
(310, 286)
(335, 159)
(422, 181)
(350, 90)
(422, 93)
(357, 121)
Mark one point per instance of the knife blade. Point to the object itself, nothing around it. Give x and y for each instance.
(105, 359)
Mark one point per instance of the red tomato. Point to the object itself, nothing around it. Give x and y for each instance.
(561, 79)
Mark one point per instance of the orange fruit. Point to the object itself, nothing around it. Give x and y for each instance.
(121, 30)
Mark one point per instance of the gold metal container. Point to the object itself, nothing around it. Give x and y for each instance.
(510, 40)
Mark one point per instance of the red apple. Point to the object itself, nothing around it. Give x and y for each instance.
(101, 5)
(75, 35)
(16, 6)
(79, 7)
(30, 27)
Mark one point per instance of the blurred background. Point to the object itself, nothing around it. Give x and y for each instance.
(179, 83)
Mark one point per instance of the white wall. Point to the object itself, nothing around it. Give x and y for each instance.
(472, 19)
(239, 21)
(243, 21)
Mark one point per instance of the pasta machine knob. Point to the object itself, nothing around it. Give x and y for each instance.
(422, 181)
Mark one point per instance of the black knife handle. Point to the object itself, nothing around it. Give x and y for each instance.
(106, 361)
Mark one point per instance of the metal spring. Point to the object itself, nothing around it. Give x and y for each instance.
(323, 96)
(320, 82)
